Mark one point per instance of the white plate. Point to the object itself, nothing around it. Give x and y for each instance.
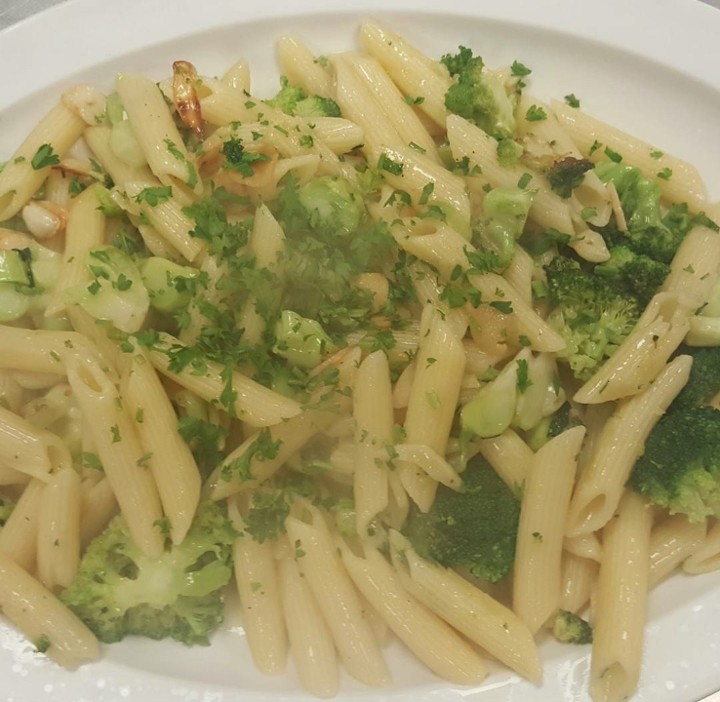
(649, 66)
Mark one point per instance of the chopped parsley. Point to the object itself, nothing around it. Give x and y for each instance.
(154, 196)
(44, 157)
(535, 114)
(385, 163)
(240, 160)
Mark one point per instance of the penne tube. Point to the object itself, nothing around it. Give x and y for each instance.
(435, 643)
(416, 74)
(154, 128)
(41, 350)
(695, 267)
(253, 403)
(84, 231)
(260, 599)
(478, 616)
(644, 352)
(509, 456)
(706, 556)
(415, 173)
(548, 210)
(311, 642)
(30, 165)
(374, 423)
(170, 460)
(446, 249)
(338, 600)
(520, 274)
(685, 183)
(586, 546)
(619, 609)
(25, 448)
(397, 112)
(263, 453)
(339, 135)
(43, 618)
(166, 218)
(433, 398)
(121, 453)
(431, 462)
(578, 579)
(18, 537)
(672, 542)
(58, 546)
(537, 576)
(99, 506)
(302, 68)
(602, 481)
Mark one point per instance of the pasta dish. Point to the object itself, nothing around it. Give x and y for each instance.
(401, 351)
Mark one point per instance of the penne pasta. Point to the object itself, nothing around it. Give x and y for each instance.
(538, 576)
(432, 641)
(43, 618)
(619, 607)
(601, 484)
(339, 601)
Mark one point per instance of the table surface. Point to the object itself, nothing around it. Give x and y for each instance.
(16, 10)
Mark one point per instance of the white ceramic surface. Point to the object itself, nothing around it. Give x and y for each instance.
(649, 66)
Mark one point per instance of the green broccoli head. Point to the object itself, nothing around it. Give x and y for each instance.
(704, 381)
(592, 315)
(641, 275)
(505, 212)
(648, 232)
(316, 106)
(474, 528)
(680, 466)
(480, 96)
(295, 101)
(287, 97)
(570, 628)
(457, 63)
(563, 419)
(326, 206)
(332, 208)
(120, 591)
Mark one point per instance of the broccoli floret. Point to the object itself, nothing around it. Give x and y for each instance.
(316, 106)
(639, 274)
(117, 292)
(593, 316)
(474, 528)
(480, 96)
(570, 628)
(326, 206)
(456, 63)
(648, 231)
(301, 341)
(567, 174)
(506, 211)
(680, 466)
(704, 381)
(295, 101)
(120, 591)
(563, 419)
(330, 240)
